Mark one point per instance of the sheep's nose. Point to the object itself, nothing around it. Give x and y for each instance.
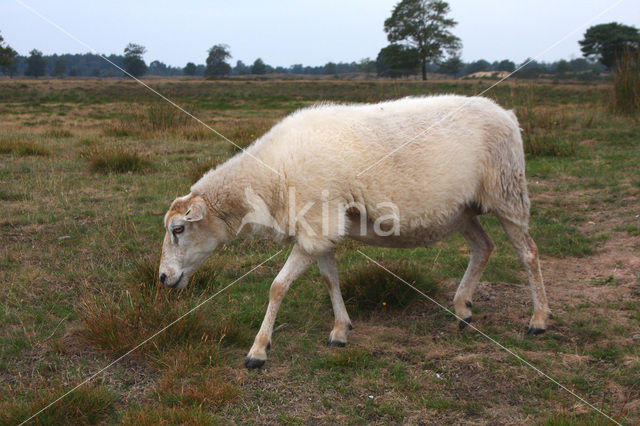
(163, 278)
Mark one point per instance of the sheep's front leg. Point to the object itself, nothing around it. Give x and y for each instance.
(342, 323)
(296, 264)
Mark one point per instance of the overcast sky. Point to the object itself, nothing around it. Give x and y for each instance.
(286, 32)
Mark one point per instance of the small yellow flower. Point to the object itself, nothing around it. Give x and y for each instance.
(384, 303)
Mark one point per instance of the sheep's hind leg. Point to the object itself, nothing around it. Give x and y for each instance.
(342, 323)
(481, 247)
(528, 251)
(296, 264)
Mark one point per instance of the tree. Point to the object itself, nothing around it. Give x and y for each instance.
(241, 68)
(59, 68)
(330, 68)
(189, 69)
(452, 66)
(258, 67)
(35, 64)
(562, 67)
(477, 66)
(607, 42)
(217, 61)
(158, 68)
(397, 60)
(423, 25)
(367, 66)
(506, 65)
(7, 58)
(133, 62)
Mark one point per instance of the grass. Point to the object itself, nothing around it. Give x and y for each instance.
(90, 167)
(89, 405)
(626, 83)
(116, 160)
(368, 288)
(20, 147)
(119, 322)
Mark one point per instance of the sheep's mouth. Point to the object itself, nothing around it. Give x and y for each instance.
(174, 285)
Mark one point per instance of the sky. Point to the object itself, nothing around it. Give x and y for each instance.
(286, 32)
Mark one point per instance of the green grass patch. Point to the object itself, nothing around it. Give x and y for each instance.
(89, 404)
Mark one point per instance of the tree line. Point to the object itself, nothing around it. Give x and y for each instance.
(421, 42)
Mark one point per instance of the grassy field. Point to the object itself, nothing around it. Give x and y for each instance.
(88, 168)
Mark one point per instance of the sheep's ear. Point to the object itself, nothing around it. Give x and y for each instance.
(196, 210)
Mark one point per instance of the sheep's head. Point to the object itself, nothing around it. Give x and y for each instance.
(192, 233)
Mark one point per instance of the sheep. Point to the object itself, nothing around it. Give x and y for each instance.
(403, 173)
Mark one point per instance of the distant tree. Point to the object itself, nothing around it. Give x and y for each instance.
(241, 68)
(330, 68)
(452, 66)
(505, 65)
(158, 68)
(73, 72)
(562, 67)
(35, 64)
(423, 25)
(297, 69)
(578, 64)
(366, 65)
(217, 61)
(133, 62)
(59, 68)
(189, 69)
(258, 67)
(477, 66)
(397, 60)
(607, 42)
(531, 69)
(7, 58)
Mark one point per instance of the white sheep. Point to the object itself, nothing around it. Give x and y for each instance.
(402, 173)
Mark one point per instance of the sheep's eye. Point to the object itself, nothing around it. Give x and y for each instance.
(178, 230)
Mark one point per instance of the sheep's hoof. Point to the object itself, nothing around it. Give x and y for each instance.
(336, 343)
(463, 323)
(535, 330)
(253, 362)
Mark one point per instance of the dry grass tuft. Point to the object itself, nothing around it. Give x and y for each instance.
(58, 133)
(368, 287)
(543, 129)
(626, 83)
(119, 323)
(199, 168)
(154, 121)
(14, 145)
(115, 160)
(169, 416)
(90, 404)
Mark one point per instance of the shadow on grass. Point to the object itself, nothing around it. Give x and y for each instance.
(367, 287)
